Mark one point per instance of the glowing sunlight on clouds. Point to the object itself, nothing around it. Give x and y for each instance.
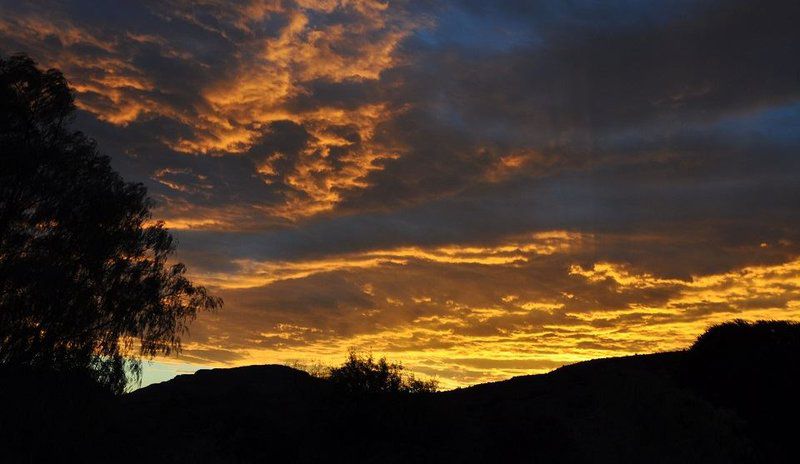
(469, 314)
(477, 189)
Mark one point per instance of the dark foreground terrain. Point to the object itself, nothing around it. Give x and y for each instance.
(731, 398)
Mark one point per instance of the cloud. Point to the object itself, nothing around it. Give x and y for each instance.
(527, 305)
(535, 181)
(226, 76)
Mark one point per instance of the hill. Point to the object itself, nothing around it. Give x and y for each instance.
(611, 410)
(680, 407)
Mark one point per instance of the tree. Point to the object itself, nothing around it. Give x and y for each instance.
(86, 281)
(362, 374)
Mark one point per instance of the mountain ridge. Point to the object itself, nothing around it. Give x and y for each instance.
(582, 412)
(730, 398)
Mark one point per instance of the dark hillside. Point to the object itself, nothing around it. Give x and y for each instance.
(610, 410)
(729, 399)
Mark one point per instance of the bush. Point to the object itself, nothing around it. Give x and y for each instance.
(362, 374)
(753, 368)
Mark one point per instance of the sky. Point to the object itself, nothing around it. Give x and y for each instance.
(477, 189)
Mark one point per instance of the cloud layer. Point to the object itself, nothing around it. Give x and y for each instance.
(481, 189)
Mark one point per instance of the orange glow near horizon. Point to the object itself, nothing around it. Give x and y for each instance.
(439, 331)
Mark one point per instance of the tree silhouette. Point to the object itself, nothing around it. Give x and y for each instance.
(362, 374)
(85, 278)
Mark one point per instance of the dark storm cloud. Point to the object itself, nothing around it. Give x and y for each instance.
(600, 65)
(349, 94)
(589, 77)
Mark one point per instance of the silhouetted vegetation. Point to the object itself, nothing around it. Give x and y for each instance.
(754, 369)
(731, 398)
(85, 278)
(362, 374)
(52, 416)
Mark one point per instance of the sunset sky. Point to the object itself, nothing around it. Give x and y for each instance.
(479, 189)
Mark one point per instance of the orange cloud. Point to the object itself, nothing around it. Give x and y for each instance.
(253, 273)
(468, 314)
(234, 105)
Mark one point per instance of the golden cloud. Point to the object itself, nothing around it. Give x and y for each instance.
(233, 105)
(469, 314)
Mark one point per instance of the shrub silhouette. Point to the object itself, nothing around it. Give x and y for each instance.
(752, 368)
(85, 282)
(739, 358)
(362, 374)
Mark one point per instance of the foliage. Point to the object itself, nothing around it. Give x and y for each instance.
(314, 368)
(738, 355)
(362, 374)
(85, 277)
(753, 368)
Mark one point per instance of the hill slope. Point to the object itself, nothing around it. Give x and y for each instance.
(731, 398)
(611, 410)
